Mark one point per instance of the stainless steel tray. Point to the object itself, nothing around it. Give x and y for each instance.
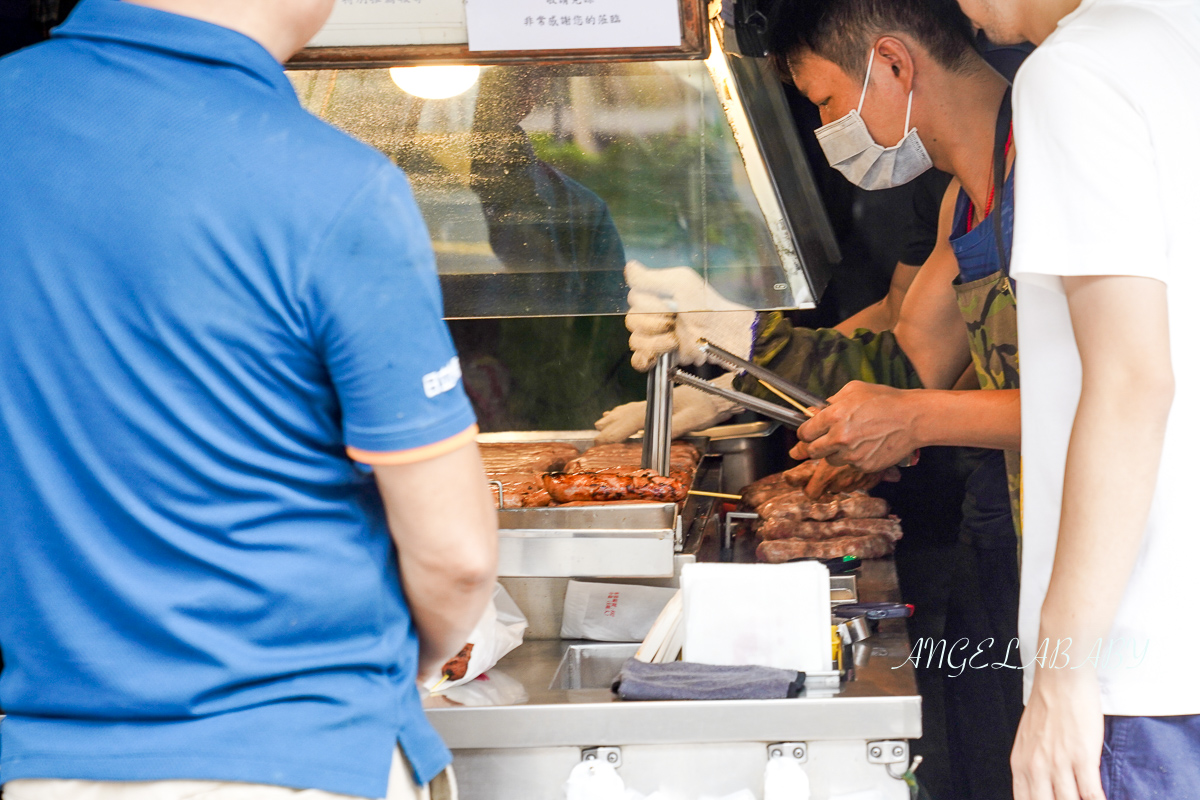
(610, 541)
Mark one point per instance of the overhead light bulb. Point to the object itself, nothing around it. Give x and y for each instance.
(436, 82)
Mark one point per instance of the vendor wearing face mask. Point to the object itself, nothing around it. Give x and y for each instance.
(879, 73)
(901, 89)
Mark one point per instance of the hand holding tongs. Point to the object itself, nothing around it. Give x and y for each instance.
(805, 403)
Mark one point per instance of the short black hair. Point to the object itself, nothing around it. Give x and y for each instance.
(843, 31)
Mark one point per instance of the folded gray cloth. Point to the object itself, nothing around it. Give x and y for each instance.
(681, 680)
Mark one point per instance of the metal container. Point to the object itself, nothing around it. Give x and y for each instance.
(592, 665)
(743, 451)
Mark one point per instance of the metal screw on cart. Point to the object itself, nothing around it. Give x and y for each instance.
(888, 751)
(797, 751)
(612, 755)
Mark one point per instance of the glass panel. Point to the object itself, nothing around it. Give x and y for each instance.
(547, 373)
(539, 182)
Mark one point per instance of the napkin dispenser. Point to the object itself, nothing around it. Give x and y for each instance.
(771, 615)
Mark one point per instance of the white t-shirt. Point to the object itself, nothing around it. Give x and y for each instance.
(1107, 124)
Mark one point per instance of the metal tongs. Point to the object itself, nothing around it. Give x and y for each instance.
(805, 403)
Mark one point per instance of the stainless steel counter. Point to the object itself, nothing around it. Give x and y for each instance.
(544, 734)
(881, 702)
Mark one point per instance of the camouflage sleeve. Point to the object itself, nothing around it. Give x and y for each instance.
(823, 360)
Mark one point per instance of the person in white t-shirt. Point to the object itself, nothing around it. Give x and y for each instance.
(1107, 262)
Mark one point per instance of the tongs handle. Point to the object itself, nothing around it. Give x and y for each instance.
(733, 364)
(767, 409)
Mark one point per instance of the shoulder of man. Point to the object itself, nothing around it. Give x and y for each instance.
(1117, 33)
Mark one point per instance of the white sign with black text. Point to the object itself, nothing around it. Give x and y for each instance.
(571, 24)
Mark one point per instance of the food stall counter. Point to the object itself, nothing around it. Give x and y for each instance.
(526, 746)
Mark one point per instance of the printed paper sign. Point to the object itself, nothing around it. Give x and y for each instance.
(377, 22)
(571, 24)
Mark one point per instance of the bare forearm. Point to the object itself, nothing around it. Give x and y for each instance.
(443, 521)
(875, 317)
(445, 606)
(1104, 510)
(990, 419)
(1126, 394)
(873, 427)
(448, 583)
(882, 316)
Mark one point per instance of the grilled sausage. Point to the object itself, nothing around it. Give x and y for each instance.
(523, 457)
(781, 550)
(796, 505)
(763, 489)
(456, 668)
(793, 529)
(521, 490)
(862, 506)
(566, 487)
(800, 475)
(684, 457)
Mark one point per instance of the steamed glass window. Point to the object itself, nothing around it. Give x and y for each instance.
(538, 183)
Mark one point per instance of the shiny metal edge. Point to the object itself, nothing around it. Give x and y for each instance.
(586, 557)
(583, 724)
(743, 430)
(625, 517)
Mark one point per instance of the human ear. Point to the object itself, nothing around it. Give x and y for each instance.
(895, 54)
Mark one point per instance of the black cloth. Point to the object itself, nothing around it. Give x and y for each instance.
(920, 233)
(682, 680)
(26, 22)
(984, 704)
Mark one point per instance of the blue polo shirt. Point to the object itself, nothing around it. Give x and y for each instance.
(207, 298)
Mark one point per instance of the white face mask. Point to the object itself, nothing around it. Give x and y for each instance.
(851, 150)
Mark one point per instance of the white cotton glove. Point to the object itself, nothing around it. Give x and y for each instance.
(671, 309)
(691, 410)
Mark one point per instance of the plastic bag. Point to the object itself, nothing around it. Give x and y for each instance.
(492, 688)
(594, 780)
(611, 612)
(500, 631)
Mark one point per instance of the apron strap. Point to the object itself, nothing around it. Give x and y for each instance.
(1000, 156)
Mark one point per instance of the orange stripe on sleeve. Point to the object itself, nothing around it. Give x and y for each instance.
(423, 453)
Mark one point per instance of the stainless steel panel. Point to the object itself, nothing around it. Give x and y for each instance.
(545, 554)
(581, 439)
(592, 665)
(529, 774)
(635, 519)
(834, 768)
(843, 589)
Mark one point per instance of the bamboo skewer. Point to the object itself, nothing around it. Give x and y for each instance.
(805, 410)
(721, 495)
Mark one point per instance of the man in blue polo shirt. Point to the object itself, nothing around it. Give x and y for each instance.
(214, 309)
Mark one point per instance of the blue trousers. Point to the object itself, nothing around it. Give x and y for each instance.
(1151, 758)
